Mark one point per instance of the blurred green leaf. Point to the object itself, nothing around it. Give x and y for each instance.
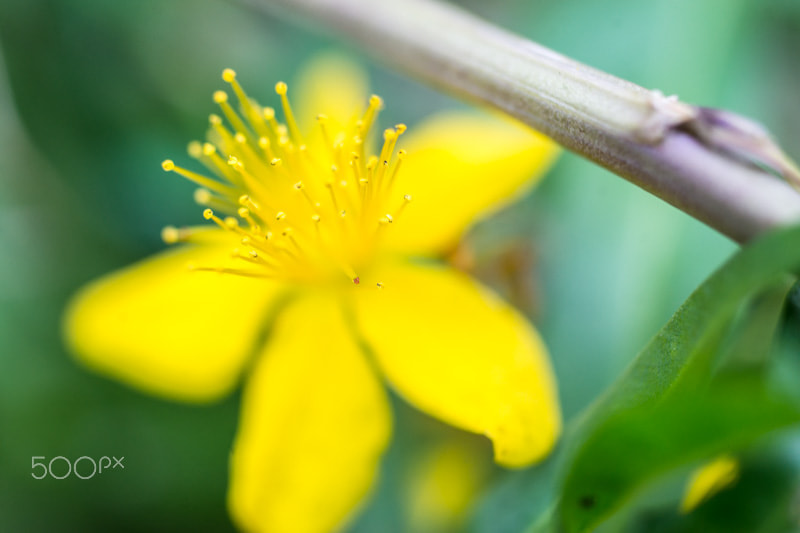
(750, 345)
(644, 442)
(760, 501)
(643, 427)
(680, 351)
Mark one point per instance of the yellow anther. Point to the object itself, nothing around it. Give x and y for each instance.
(275, 162)
(214, 120)
(407, 197)
(298, 185)
(209, 149)
(401, 128)
(380, 285)
(202, 196)
(240, 138)
(170, 234)
(316, 218)
(228, 75)
(401, 154)
(263, 142)
(168, 165)
(208, 214)
(236, 163)
(281, 88)
(375, 101)
(243, 212)
(253, 254)
(286, 232)
(389, 218)
(220, 97)
(389, 134)
(280, 216)
(269, 113)
(231, 222)
(195, 149)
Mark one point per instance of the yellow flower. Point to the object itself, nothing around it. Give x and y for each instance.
(306, 274)
(708, 480)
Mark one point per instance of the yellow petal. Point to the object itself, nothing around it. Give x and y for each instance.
(444, 483)
(314, 423)
(332, 85)
(457, 352)
(708, 480)
(162, 328)
(462, 166)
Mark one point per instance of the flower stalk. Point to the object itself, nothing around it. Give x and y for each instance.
(713, 165)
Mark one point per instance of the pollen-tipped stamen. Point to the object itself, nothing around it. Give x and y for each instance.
(221, 99)
(169, 166)
(282, 90)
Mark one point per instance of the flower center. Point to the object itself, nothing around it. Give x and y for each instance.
(295, 211)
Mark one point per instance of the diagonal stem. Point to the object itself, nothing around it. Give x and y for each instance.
(704, 162)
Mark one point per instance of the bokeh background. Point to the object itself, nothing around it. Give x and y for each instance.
(95, 94)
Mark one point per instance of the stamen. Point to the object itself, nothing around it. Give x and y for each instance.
(234, 271)
(221, 98)
(170, 235)
(245, 214)
(253, 160)
(208, 214)
(195, 149)
(269, 115)
(249, 111)
(322, 120)
(329, 186)
(375, 104)
(282, 89)
(213, 162)
(266, 147)
(406, 201)
(169, 166)
(206, 199)
(401, 155)
(300, 187)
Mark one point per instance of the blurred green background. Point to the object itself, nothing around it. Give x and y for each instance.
(95, 94)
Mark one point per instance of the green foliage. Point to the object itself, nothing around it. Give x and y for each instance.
(671, 408)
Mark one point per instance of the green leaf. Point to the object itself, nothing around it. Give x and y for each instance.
(640, 444)
(633, 433)
(750, 347)
(680, 350)
(761, 500)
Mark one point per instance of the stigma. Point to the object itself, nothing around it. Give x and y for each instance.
(296, 208)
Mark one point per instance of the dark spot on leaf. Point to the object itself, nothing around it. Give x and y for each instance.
(587, 502)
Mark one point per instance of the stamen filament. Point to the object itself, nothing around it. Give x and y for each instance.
(169, 166)
(282, 89)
